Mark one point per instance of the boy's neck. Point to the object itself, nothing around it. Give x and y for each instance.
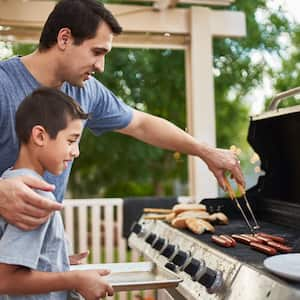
(27, 159)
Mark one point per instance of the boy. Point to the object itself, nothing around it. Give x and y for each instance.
(35, 263)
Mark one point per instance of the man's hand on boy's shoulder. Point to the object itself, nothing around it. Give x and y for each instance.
(21, 206)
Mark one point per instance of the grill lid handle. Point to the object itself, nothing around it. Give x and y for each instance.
(277, 99)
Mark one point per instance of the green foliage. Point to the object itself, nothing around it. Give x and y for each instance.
(288, 76)
(120, 164)
(237, 74)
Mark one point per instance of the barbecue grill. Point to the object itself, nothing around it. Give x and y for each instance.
(209, 271)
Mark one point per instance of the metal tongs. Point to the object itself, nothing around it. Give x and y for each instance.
(233, 197)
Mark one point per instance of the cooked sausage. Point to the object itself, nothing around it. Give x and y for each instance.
(263, 239)
(229, 238)
(252, 238)
(241, 239)
(280, 247)
(220, 241)
(275, 238)
(263, 248)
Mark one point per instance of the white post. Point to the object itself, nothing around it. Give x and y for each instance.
(200, 95)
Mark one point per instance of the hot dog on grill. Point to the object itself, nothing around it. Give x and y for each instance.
(220, 241)
(252, 238)
(241, 239)
(275, 238)
(229, 238)
(280, 247)
(263, 248)
(263, 239)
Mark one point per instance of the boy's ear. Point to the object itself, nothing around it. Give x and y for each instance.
(39, 135)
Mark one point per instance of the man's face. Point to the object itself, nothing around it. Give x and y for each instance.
(82, 60)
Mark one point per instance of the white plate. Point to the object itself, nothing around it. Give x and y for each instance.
(285, 265)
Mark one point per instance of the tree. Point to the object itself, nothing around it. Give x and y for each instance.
(288, 76)
(131, 167)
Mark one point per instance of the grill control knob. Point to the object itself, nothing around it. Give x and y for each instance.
(212, 280)
(195, 268)
(159, 244)
(171, 266)
(180, 258)
(169, 251)
(136, 228)
(151, 238)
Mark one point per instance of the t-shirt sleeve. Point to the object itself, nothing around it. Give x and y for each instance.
(18, 247)
(108, 112)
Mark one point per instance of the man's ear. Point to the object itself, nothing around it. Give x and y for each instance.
(64, 37)
(39, 135)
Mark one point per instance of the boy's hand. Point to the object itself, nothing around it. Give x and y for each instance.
(92, 286)
(23, 207)
(77, 259)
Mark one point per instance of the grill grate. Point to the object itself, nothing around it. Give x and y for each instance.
(244, 253)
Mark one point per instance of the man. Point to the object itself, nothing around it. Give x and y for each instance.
(74, 42)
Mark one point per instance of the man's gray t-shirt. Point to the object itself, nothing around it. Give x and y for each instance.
(43, 249)
(16, 82)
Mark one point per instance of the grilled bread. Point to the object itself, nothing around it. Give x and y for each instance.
(194, 225)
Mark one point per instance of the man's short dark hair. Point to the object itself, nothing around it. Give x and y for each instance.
(82, 17)
(49, 108)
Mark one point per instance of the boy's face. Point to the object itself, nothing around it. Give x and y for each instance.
(59, 152)
(80, 61)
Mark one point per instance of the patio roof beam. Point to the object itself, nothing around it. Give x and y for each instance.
(16, 13)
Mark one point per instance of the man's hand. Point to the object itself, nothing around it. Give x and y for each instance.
(77, 259)
(23, 207)
(219, 161)
(92, 286)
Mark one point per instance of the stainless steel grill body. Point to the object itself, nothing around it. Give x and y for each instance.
(241, 280)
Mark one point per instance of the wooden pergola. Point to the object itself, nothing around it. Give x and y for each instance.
(161, 25)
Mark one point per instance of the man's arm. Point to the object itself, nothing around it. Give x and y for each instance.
(162, 133)
(89, 283)
(21, 206)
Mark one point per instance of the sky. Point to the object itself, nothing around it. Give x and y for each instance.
(292, 7)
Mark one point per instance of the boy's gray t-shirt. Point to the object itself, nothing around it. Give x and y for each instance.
(42, 249)
(16, 82)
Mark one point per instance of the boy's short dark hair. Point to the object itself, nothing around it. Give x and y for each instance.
(82, 17)
(49, 108)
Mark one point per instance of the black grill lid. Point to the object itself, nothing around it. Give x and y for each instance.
(275, 137)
